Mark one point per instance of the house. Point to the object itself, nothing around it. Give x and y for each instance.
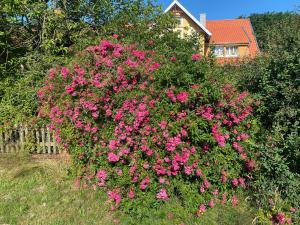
(230, 40)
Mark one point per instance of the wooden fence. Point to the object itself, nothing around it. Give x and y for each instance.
(39, 141)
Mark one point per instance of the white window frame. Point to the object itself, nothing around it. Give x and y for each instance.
(232, 51)
(219, 51)
(180, 19)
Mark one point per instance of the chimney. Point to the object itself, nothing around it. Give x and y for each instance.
(203, 19)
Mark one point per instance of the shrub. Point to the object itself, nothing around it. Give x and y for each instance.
(274, 80)
(142, 142)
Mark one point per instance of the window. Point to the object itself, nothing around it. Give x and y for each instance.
(232, 51)
(219, 51)
(180, 21)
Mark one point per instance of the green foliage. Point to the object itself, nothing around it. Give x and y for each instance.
(18, 102)
(276, 83)
(274, 30)
(274, 80)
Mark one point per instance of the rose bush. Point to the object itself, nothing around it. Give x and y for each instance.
(139, 140)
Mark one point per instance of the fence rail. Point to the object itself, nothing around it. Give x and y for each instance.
(39, 141)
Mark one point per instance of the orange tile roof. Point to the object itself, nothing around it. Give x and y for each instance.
(234, 31)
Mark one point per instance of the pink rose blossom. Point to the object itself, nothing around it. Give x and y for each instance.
(235, 182)
(201, 210)
(280, 218)
(101, 174)
(211, 203)
(112, 157)
(162, 195)
(64, 72)
(196, 57)
(114, 196)
(131, 194)
(182, 97)
(234, 200)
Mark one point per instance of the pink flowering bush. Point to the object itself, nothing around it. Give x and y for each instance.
(139, 140)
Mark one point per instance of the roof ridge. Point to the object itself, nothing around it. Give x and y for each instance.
(243, 28)
(229, 19)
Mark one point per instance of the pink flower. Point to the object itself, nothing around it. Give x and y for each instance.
(112, 157)
(146, 166)
(101, 174)
(201, 210)
(173, 58)
(154, 66)
(108, 112)
(289, 221)
(116, 36)
(215, 192)
(220, 139)
(280, 218)
(206, 183)
(234, 200)
(198, 173)
(183, 132)
(242, 182)
(145, 182)
(223, 179)
(171, 95)
(119, 171)
(196, 57)
(211, 203)
(251, 164)
(182, 97)
(187, 170)
(235, 182)
(202, 189)
(131, 194)
(114, 196)
(162, 180)
(112, 145)
(64, 72)
(163, 124)
(208, 113)
(162, 195)
(139, 54)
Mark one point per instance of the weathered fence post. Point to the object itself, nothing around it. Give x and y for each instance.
(22, 142)
(43, 140)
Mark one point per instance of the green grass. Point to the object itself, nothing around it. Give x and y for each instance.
(34, 192)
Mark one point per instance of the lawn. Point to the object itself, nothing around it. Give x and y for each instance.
(39, 191)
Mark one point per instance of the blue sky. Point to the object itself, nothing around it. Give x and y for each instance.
(228, 9)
